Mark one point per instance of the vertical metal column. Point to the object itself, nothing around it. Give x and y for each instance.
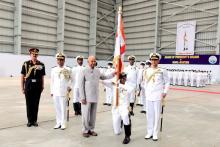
(92, 27)
(157, 26)
(17, 26)
(60, 25)
(218, 32)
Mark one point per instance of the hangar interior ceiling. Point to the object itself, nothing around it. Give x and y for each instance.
(87, 27)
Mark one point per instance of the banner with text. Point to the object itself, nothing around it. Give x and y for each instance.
(185, 38)
(191, 59)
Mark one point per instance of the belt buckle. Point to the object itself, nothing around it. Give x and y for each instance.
(33, 80)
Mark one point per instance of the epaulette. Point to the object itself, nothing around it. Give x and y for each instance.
(53, 66)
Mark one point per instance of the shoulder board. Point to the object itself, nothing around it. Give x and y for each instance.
(53, 66)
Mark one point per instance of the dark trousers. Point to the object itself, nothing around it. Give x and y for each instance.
(127, 129)
(32, 103)
(77, 108)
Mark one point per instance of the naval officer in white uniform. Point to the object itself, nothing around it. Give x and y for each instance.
(75, 86)
(156, 86)
(132, 77)
(60, 86)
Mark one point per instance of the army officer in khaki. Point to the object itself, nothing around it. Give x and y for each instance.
(89, 92)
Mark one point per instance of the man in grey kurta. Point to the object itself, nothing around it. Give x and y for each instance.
(89, 92)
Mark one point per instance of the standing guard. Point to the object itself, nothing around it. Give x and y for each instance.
(32, 84)
(60, 87)
(75, 75)
(156, 87)
(132, 75)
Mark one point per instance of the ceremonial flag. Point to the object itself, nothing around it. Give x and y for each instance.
(119, 50)
(119, 44)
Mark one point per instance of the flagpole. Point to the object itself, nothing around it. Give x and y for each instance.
(118, 61)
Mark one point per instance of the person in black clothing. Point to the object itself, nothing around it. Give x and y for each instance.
(32, 84)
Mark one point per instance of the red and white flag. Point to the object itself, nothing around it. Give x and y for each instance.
(119, 44)
(119, 52)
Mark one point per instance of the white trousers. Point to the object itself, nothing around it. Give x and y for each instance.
(76, 95)
(192, 82)
(179, 81)
(185, 81)
(174, 80)
(109, 95)
(131, 96)
(60, 106)
(119, 114)
(143, 98)
(153, 117)
(198, 82)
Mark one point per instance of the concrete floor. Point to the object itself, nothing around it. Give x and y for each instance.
(191, 119)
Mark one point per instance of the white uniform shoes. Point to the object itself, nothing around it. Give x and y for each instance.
(63, 127)
(148, 136)
(57, 126)
(155, 138)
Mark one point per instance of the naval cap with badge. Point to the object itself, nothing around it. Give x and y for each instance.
(60, 56)
(148, 62)
(33, 51)
(131, 57)
(155, 56)
(142, 63)
(110, 63)
(79, 57)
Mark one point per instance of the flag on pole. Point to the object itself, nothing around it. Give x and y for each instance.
(119, 51)
(119, 44)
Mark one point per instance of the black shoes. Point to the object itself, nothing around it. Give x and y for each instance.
(77, 113)
(126, 140)
(107, 104)
(142, 111)
(35, 124)
(132, 113)
(29, 124)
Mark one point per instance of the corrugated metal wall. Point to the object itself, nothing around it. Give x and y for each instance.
(204, 12)
(139, 22)
(76, 35)
(7, 26)
(39, 25)
(105, 29)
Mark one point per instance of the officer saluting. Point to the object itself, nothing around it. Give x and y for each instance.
(32, 84)
(60, 86)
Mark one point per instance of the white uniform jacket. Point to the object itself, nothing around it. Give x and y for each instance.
(132, 75)
(60, 80)
(124, 91)
(75, 75)
(156, 82)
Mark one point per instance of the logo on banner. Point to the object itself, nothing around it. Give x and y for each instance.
(212, 59)
(185, 38)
